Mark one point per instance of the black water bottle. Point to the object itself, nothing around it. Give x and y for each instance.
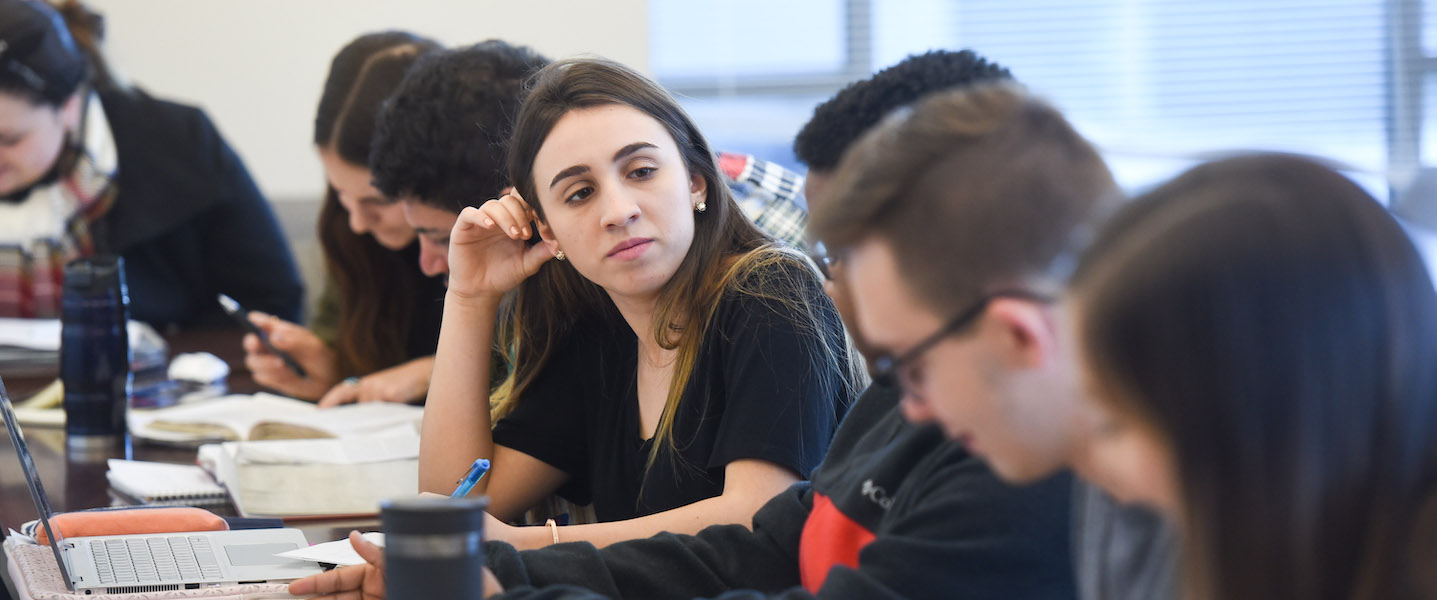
(95, 351)
(433, 548)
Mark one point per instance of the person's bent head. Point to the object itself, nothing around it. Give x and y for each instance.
(1260, 335)
(439, 144)
(952, 221)
(361, 229)
(43, 74)
(361, 76)
(838, 122)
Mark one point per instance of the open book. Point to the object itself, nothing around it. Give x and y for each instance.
(313, 478)
(270, 417)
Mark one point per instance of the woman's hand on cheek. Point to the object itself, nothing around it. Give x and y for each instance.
(487, 252)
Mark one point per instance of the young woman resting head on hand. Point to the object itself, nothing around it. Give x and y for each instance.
(673, 364)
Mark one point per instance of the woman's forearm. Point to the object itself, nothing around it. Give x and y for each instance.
(456, 427)
(689, 519)
(750, 484)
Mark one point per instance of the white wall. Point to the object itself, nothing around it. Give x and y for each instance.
(257, 66)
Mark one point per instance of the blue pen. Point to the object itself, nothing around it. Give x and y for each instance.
(477, 471)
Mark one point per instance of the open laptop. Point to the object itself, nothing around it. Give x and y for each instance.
(118, 564)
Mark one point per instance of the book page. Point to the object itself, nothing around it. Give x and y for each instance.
(316, 477)
(339, 421)
(225, 418)
(287, 490)
(335, 451)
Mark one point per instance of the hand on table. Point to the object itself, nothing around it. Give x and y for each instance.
(363, 582)
(401, 383)
(355, 582)
(317, 358)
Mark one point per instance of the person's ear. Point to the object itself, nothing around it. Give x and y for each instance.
(698, 189)
(1025, 332)
(547, 234)
(70, 112)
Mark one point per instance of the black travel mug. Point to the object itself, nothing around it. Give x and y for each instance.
(433, 547)
(95, 351)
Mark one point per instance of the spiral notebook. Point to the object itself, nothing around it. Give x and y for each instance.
(162, 483)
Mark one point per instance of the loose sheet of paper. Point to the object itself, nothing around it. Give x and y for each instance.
(44, 334)
(30, 334)
(339, 552)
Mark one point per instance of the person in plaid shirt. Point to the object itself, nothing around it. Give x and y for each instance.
(770, 195)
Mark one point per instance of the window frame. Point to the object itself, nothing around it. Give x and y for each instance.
(1407, 71)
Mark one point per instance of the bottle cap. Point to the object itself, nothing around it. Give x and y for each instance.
(433, 515)
(95, 275)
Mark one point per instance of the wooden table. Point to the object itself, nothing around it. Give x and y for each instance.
(75, 480)
(224, 343)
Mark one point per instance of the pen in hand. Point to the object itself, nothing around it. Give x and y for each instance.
(466, 483)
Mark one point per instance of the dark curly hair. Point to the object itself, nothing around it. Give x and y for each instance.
(837, 123)
(440, 138)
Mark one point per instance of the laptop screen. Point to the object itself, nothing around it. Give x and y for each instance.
(32, 479)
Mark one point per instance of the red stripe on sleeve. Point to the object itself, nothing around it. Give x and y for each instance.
(829, 538)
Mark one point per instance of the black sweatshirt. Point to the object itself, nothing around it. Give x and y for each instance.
(894, 511)
(189, 221)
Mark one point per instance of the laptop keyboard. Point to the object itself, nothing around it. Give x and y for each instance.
(134, 560)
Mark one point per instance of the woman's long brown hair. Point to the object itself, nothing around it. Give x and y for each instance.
(728, 253)
(377, 287)
(1274, 322)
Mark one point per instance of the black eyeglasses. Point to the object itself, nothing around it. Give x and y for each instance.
(888, 370)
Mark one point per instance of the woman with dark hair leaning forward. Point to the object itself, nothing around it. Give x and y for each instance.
(372, 338)
(1259, 337)
(90, 165)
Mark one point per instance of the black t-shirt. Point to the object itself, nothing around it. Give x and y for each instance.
(760, 389)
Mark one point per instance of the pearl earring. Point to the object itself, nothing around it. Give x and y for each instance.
(702, 206)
